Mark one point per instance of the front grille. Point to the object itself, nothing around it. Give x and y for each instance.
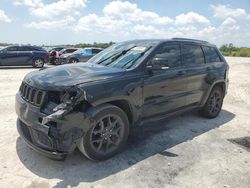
(32, 95)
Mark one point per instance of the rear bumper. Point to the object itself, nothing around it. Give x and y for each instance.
(25, 133)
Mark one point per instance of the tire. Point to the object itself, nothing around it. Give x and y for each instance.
(107, 136)
(73, 60)
(38, 63)
(213, 104)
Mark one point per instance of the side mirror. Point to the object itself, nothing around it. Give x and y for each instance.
(158, 64)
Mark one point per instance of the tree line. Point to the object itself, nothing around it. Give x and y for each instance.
(231, 50)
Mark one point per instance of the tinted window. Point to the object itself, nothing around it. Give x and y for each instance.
(70, 50)
(24, 48)
(192, 54)
(13, 48)
(169, 55)
(211, 54)
(96, 51)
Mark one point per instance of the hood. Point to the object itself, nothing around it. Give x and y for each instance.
(69, 75)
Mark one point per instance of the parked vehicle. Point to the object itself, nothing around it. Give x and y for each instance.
(81, 55)
(95, 105)
(24, 55)
(63, 54)
(53, 53)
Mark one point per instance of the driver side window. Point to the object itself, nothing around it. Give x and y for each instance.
(168, 56)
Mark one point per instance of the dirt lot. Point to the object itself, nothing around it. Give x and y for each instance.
(185, 151)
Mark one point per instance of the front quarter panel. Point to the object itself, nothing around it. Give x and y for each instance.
(127, 87)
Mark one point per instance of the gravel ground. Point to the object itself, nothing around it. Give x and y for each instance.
(184, 151)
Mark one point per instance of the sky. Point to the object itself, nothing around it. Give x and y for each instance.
(55, 22)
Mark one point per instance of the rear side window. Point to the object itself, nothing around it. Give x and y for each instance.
(24, 48)
(192, 54)
(169, 55)
(13, 48)
(211, 54)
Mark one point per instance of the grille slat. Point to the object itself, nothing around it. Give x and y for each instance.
(32, 95)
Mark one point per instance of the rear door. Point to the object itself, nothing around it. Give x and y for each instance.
(194, 61)
(10, 56)
(165, 89)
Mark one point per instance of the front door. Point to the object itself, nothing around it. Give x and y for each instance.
(164, 89)
(10, 56)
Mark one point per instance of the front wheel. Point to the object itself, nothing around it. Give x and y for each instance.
(214, 103)
(73, 60)
(38, 63)
(107, 136)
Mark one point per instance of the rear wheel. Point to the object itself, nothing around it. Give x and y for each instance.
(214, 103)
(38, 63)
(107, 136)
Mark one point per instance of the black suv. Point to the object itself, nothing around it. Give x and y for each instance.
(95, 105)
(23, 55)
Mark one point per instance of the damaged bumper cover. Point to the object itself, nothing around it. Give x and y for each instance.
(54, 135)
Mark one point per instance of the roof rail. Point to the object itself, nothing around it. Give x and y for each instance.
(194, 40)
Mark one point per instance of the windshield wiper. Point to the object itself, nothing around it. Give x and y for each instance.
(115, 56)
(135, 59)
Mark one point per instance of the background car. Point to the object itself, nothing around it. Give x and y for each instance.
(53, 53)
(61, 55)
(82, 55)
(23, 55)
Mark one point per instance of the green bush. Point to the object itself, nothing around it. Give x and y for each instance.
(231, 50)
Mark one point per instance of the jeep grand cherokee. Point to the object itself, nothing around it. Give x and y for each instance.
(94, 105)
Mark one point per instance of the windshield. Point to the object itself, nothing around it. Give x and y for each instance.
(122, 56)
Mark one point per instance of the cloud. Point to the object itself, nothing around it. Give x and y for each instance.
(52, 10)
(29, 3)
(229, 22)
(4, 17)
(123, 20)
(191, 18)
(56, 24)
(224, 11)
(58, 8)
(124, 10)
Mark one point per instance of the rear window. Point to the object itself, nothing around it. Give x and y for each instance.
(192, 54)
(211, 54)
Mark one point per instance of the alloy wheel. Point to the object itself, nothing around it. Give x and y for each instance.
(107, 134)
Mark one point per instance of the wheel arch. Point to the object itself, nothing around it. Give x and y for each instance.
(120, 103)
(221, 84)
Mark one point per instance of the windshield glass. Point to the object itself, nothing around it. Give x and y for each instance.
(122, 56)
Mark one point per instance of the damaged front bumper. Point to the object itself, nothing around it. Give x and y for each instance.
(54, 135)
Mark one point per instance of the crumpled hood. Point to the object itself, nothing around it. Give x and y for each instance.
(68, 75)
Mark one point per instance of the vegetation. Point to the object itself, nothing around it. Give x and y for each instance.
(231, 50)
(97, 45)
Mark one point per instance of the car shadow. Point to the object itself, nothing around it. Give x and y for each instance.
(145, 142)
(23, 67)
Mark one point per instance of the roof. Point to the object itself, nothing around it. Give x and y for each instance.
(158, 41)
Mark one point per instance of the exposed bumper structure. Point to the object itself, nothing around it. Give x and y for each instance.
(24, 132)
(56, 139)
